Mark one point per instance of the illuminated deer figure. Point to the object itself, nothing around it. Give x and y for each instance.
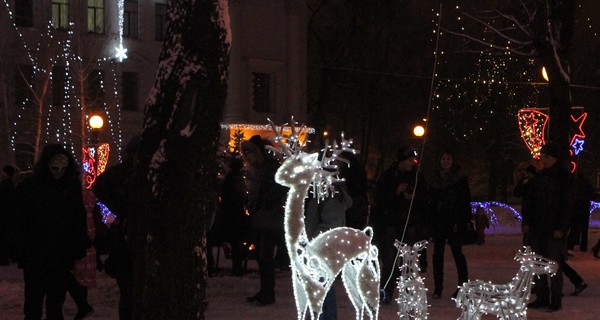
(412, 294)
(316, 263)
(506, 301)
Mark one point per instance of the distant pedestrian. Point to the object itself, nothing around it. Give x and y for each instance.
(400, 217)
(266, 199)
(112, 190)
(232, 209)
(482, 222)
(582, 194)
(547, 223)
(449, 211)
(7, 189)
(51, 231)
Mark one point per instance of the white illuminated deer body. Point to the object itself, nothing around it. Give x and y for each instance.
(506, 301)
(316, 263)
(412, 294)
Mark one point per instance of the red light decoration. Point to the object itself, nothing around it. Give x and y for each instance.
(94, 162)
(532, 124)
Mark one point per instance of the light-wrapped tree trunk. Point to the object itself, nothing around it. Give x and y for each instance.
(173, 187)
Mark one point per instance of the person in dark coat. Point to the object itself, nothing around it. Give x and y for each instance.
(522, 189)
(111, 189)
(236, 224)
(583, 193)
(396, 206)
(7, 189)
(52, 230)
(449, 210)
(266, 199)
(547, 223)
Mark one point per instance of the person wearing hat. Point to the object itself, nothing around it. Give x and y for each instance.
(393, 197)
(547, 224)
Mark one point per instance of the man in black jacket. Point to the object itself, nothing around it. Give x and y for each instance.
(547, 223)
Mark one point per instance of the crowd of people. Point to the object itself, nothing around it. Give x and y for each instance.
(49, 230)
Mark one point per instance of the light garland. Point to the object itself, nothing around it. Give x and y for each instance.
(107, 216)
(487, 206)
(63, 132)
(94, 162)
(532, 124)
(316, 263)
(594, 206)
(412, 294)
(505, 301)
(120, 51)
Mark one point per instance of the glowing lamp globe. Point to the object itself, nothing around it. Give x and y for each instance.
(419, 131)
(96, 122)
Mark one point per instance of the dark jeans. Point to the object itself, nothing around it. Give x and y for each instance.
(40, 283)
(125, 297)
(78, 292)
(266, 263)
(570, 273)
(439, 246)
(553, 249)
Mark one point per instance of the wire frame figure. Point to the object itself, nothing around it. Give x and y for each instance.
(412, 294)
(506, 301)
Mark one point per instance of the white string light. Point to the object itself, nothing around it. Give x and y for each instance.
(505, 301)
(316, 263)
(412, 294)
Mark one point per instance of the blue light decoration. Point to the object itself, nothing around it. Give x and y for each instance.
(577, 145)
(487, 206)
(593, 206)
(107, 215)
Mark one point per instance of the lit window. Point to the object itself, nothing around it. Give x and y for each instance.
(60, 14)
(261, 92)
(24, 13)
(95, 15)
(160, 10)
(130, 19)
(130, 91)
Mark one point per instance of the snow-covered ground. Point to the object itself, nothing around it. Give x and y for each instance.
(492, 261)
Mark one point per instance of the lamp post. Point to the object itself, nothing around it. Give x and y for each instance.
(95, 154)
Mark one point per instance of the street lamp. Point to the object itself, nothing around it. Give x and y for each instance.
(418, 131)
(95, 154)
(545, 74)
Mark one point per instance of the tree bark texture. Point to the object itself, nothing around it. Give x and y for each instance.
(173, 189)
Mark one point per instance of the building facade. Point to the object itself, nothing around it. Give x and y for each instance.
(59, 64)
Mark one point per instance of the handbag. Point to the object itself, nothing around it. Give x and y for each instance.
(463, 234)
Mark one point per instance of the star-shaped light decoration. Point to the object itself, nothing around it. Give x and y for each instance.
(577, 145)
(532, 124)
(120, 52)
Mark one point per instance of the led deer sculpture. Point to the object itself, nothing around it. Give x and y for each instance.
(506, 301)
(316, 263)
(412, 294)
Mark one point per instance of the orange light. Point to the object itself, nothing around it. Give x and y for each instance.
(96, 122)
(418, 131)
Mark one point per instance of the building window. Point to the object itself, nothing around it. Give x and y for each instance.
(95, 88)
(130, 19)
(24, 13)
(130, 91)
(58, 86)
(23, 81)
(60, 14)
(261, 92)
(95, 16)
(160, 10)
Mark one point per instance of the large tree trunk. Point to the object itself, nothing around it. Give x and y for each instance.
(173, 184)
